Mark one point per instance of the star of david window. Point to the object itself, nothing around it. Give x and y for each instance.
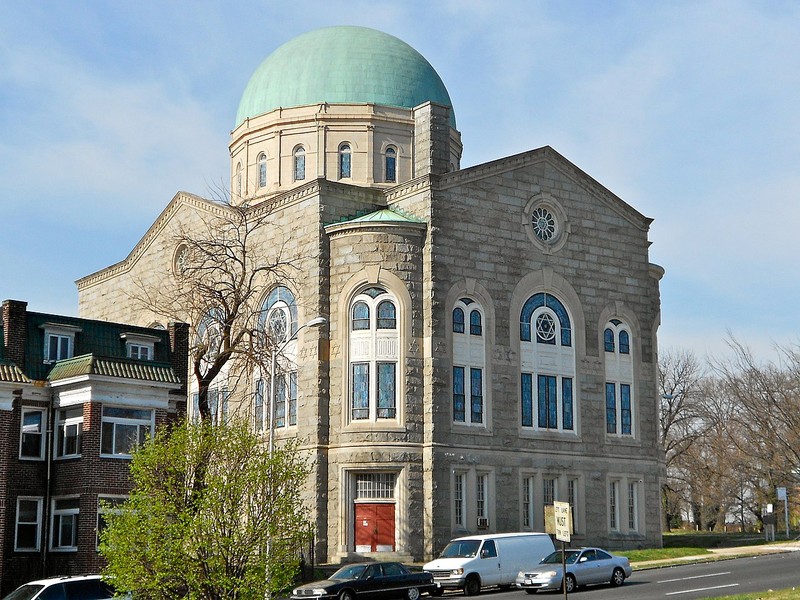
(545, 328)
(544, 224)
(278, 324)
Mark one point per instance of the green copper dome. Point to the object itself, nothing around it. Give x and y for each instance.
(342, 65)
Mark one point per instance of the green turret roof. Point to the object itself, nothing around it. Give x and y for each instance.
(342, 65)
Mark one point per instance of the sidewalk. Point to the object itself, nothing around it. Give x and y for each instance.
(721, 554)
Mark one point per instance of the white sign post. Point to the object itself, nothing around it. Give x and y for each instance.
(782, 496)
(563, 520)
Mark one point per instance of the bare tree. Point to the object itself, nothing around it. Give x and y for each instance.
(682, 422)
(767, 418)
(223, 264)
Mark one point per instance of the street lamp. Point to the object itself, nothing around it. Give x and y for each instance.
(276, 350)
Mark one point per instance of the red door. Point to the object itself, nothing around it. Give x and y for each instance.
(374, 527)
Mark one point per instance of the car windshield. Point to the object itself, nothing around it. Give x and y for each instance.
(460, 549)
(555, 558)
(350, 572)
(25, 592)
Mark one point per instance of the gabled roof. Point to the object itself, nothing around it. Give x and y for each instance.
(123, 368)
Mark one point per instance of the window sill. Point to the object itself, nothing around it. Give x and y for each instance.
(32, 458)
(116, 456)
(68, 457)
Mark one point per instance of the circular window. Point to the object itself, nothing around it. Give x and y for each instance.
(278, 325)
(545, 327)
(180, 260)
(544, 224)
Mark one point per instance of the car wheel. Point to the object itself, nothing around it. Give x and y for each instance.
(347, 595)
(472, 587)
(618, 577)
(570, 583)
(412, 593)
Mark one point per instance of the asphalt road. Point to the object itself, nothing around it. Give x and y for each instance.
(689, 582)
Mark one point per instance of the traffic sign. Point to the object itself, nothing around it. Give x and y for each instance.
(563, 520)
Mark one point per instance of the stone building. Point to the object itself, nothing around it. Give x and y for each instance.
(491, 336)
(75, 394)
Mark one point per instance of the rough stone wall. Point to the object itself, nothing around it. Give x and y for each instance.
(384, 250)
(476, 235)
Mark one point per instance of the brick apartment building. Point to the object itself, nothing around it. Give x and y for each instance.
(75, 395)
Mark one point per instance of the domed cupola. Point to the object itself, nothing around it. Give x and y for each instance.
(343, 103)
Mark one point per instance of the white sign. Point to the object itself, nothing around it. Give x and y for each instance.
(563, 520)
(782, 493)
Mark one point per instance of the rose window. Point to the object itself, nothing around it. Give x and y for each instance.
(544, 224)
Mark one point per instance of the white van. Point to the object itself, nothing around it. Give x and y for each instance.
(476, 561)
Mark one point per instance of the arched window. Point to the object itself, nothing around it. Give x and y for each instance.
(458, 320)
(344, 161)
(547, 365)
(475, 326)
(469, 359)
(262, 170)
(299, 163)
(387, 315)
(374, 355)
(608, 340)
(391, 164)
(619, 379)
(278, 323)
(360, 316)
(209, 336)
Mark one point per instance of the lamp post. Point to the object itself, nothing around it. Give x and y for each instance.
(276, 350)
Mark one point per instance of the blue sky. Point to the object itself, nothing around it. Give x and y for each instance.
(687, 110)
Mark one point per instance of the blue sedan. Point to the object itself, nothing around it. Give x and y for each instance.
(585, 566)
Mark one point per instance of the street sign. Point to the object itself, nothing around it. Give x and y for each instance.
(781, 493)
(563, 520)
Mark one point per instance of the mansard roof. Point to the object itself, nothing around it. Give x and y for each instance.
(123, 368)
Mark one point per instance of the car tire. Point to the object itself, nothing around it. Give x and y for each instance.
(618, 577)
(472, 586)
(571, 583)
(347, 595)
(412, 593)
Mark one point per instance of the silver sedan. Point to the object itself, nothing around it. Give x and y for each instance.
(585, 566)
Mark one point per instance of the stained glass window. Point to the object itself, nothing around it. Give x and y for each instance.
(391, 164)
(386, 390)
(344, 161)
(262, 170)
(360, 316)
(386, 315)
(299, 164)
(608, 340)
(611, 408)
(458, 320)
(527, 400)
(624, 343)
(360, 391)
(475, 325)
(459, 398)
(625, 408)
(566, 403)
(476, 395)
(548, 402)
(554, 304)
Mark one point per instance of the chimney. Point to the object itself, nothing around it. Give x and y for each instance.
(179, 351)
(14, 320)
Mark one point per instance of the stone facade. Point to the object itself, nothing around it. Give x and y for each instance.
(530, 242)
